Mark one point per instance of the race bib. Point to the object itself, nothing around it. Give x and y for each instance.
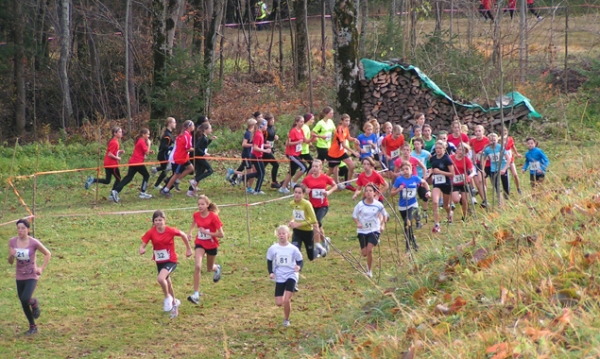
(271, 144)
(203, 236)
(370, 225)
(439, 179)
(22, 254)
(328, 137)
(284, 260)
(318, 193)
(299, 215)
(459, 178)
(535, 166)
(162, 255)
(409, 193)
(395, 153)
(299, 147)
(495, 157)
(478, 157)
(367, 148)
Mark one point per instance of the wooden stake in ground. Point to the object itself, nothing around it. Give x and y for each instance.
(37, 167)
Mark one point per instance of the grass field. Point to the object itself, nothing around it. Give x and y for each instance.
(99, 297)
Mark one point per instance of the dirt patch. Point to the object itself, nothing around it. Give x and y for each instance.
(574, 79)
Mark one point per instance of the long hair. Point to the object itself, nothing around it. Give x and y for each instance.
(212, 206)
(143, 131)
(324, 112)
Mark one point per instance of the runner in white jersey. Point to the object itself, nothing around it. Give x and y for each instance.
(284, 261)
(370, 217)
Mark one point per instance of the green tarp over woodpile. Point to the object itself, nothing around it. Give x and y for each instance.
(372, 68)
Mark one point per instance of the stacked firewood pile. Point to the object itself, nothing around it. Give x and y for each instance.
(397, 95)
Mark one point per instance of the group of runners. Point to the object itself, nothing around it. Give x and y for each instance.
(447, 170)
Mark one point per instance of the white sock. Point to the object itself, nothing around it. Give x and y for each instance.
(196, 294)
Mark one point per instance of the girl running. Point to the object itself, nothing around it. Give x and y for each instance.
(258, 149)
(316, 183)
(284, 261)
(376, 131)
(293, 150)
(442, 171)
(537, 162)
(181, 156)
(511, 149)
(370, 217)
(303, 223)
(23, 248)
(405, 156)
(111, 162)
(423, 156)
(498, 166)
(391, 146)
(136, 165)
(463, 172)
(210, 229)
(370, 176)
(164, 149)
(202, 166)
(163, 245)
(339, 148)
(419, 118)
(368, 141)
(478, 143)
(429, 140)
(387, 130)
(244, 173)
(407, 185)
(270, 138)
(457, 136)
(323, 132)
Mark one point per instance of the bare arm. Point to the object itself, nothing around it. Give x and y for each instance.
(47, 256)
(186, 241)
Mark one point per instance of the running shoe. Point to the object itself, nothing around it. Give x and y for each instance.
(286, 323)
(32, 330)
(452, 206)
(369, 274)
(284, 190)
(144, 195)
(153, 170)
(165, 193)
(176, 187)
(115, 196)
(296, 290)
(419, 224)
(190, 194)
(110, 198)
(194, 299)
(194, 184)
(341, 186)
(259, 192)
(249, 190)
(321, 250)
(275, 185)
(484, 204)
(436, 229)
(519, 191)
(292, 185)
(450, 217)
(217, 275)
(473, 200)
(168, 304)
(35, 308)
(159, 187)
(89, 182)
(350, 187)
(230, 173)
(175, 310)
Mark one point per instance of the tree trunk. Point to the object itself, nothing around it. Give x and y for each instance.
(345, 45)
(41, 38)
(128, 69)
(19, 68)
(364, 22)
(438, 17)
(163, 23)
(301, 39)
(209, 50)
(64, 15)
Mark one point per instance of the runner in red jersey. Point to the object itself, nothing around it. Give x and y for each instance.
(370, 176)
(456, 137)
(406, 157)
(165, 256)
(316, 183)
(391, 146)
(181, 156)
(111, 161)
(210, 229)
(463, 172)
(293, 150)
(478, 143)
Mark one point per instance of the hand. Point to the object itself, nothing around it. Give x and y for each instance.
(272, 275)
(12, 251)
(268, 150)
(519, 155)
(188, 253)
(38, 270)
(213, 138)
(428, 194)
(359, 225)
(522, 171)
(502, 172)
(382, 227)
(142, 251)
(296, 268)
(276, 138)
(354, 196)
(540, 172)
(118, 158)
(151, 152)
(435, 171)
(120, 151)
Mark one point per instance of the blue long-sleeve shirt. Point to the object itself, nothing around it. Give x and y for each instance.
(536, 159)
